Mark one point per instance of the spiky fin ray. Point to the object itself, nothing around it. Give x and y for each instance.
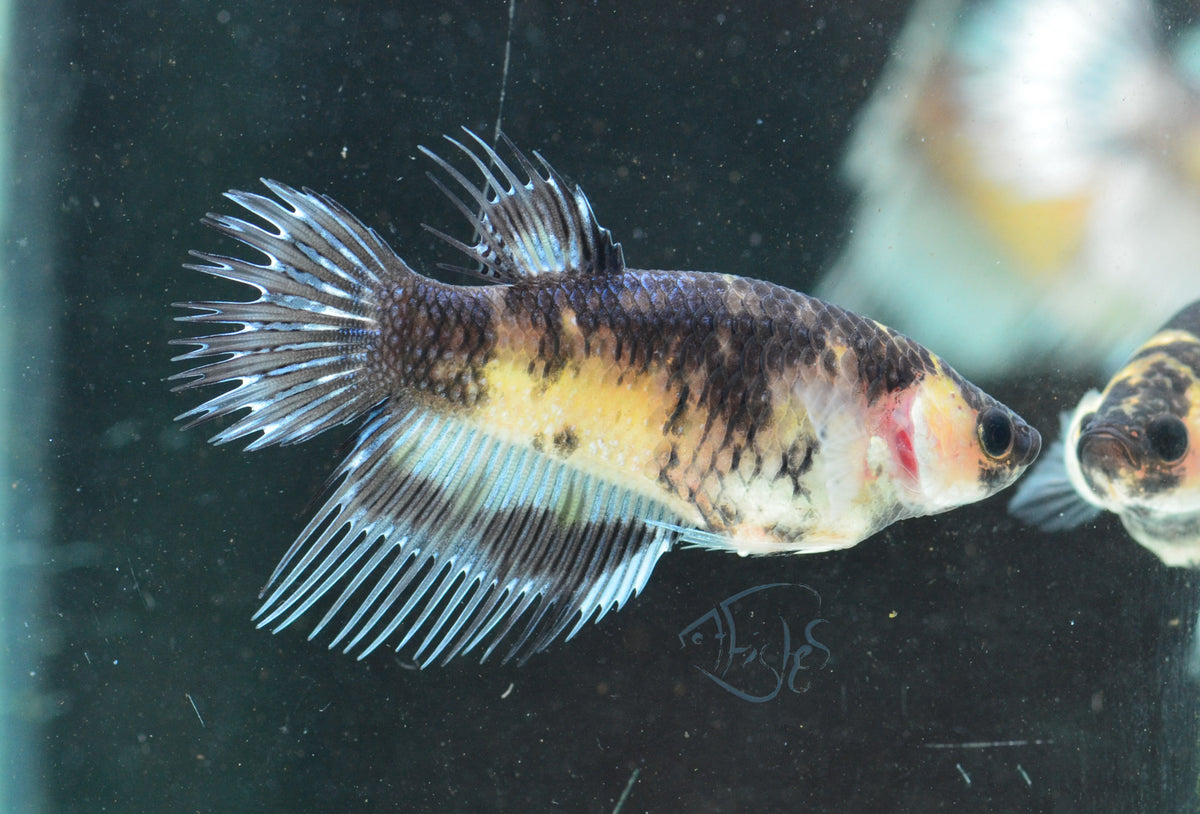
(458, 537)
(526, 228)
(299, 355)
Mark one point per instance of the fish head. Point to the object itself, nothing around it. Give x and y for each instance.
(1138, 450)
(965, 445)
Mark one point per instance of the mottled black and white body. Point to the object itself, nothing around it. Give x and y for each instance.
(532, 445)
(1132, 450)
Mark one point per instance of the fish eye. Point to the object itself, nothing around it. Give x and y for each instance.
(995, 432)
(1168, 437)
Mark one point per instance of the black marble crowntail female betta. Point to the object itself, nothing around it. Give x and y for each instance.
(532, 446)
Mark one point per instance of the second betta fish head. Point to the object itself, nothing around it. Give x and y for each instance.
(1136, 445)
(966, 445)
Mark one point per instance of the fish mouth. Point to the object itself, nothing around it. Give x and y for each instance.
(1108, 450)
(1027, 444)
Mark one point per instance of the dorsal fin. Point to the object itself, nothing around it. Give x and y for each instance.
(526, 228)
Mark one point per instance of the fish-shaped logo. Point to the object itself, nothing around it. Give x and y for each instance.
(530, 447)
(761, 640)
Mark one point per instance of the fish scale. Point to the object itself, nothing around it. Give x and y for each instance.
(534, 444)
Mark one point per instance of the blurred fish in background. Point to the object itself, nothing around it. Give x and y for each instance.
(1028, 174)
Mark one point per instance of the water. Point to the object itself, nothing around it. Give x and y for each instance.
(974, 665)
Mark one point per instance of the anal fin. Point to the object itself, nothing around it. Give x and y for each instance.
(452, 538)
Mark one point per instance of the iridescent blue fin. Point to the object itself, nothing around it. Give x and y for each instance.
(299, 354)
(526, 228)
(456, 538)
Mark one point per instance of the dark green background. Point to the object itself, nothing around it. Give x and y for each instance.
(707, 136)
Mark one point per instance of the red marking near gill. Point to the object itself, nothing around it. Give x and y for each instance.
(899, 434)
(903, 449)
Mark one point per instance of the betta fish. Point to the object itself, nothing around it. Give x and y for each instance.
(532, 444)
(1036, 156)
(1131, 450)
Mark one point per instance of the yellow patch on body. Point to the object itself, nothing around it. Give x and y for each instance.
(946, 446)
(612, 417)
(1168, 337)
(1138, 371)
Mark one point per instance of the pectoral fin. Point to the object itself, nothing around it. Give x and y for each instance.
(1047, 496)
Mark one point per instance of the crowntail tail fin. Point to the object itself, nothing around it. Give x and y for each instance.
(299, 355)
